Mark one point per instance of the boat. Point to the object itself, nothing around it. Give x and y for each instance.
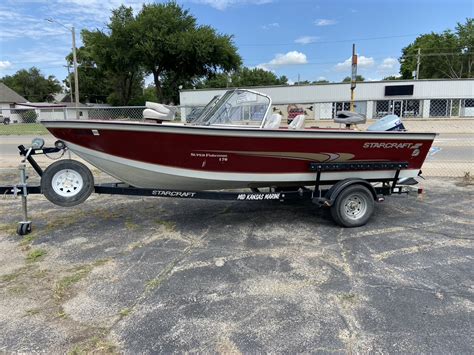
(236, 141)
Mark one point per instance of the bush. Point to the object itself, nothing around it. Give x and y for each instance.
(29, 116)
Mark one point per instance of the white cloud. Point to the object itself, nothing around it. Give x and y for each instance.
(271, 26)
(362, 62)
(290, 58)
(324, 22)
(224, 4)
(5, 64)
(322, 78)
(388, 63)
(306, 39)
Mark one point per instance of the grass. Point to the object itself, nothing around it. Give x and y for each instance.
(27, 240)
(169, 226)
(95, 345)
(62, 286)
(32, 312)
(347, 297)
(79, 273)
(35, 255)
(10, 277)
(22, 129)
(125, 312)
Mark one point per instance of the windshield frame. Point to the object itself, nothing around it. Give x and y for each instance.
(219, 101)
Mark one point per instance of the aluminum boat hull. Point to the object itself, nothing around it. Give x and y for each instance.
(186, 157)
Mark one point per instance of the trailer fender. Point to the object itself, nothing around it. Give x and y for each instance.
(336, 189)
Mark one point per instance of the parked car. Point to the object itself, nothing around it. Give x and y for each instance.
(4, 120)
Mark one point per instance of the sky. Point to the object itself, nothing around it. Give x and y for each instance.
(301, 39)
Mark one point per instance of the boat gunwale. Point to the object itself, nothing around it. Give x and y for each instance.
(267, 133)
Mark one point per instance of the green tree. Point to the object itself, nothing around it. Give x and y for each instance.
(243, 77)
(93, 80)
(33, 85)
(449, 54)
(392, 77)
(348, 79)
(114, 55)
(173, 48)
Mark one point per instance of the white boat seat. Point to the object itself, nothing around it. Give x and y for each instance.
(157, 107)
(349, 117)
(150, 114)
(273, 121)
(160, 112)
(297, 123)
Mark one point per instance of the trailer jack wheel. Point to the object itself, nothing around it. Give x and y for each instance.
(353, 207)
(23, 228)
(67, 183)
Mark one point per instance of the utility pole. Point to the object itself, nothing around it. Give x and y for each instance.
(69, 79)
(354, 75)
(74, 58)
(418, 61)
(76, 74)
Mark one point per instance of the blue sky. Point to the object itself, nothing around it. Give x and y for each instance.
(309, 39)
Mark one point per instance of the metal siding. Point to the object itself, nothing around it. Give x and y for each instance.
(429, 89)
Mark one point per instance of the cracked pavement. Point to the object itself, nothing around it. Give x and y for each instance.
(148, 275)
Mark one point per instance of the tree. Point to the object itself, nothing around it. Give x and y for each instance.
(348, 79)
(243, 77)
(32, 85)
(93, 80)
(392, 77)
(174, 48)
(114, 53)
(449, 54)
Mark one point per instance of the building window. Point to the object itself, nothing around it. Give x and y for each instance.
(467, 108)
(440, 108)
(382, 108)
(401, 108)
(411, 108)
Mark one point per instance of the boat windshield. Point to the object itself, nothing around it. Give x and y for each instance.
(237, 107)
(198, 112)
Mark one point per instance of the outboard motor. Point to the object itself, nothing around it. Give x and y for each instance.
(387, 123)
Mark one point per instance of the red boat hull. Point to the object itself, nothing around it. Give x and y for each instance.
(215, 154)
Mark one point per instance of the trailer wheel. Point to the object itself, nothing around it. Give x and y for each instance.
(353, 206)
(67, 183)
(23, 228)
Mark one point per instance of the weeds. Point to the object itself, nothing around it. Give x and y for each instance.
(35, 255)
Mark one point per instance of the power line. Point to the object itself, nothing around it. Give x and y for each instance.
(327, 42)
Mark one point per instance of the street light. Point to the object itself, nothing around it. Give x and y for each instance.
(76, 76)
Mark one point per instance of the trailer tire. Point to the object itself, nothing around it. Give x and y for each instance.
(67, 183)
(353, 207)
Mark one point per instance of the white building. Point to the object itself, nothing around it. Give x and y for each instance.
(405, 98)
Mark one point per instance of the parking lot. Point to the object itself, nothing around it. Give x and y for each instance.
(161, 275)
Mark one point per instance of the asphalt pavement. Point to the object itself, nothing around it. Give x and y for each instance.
(153, 275)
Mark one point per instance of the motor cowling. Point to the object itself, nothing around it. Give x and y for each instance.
(388, 123)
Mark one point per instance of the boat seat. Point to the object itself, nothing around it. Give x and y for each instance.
(157, 107)
(159, 112)
(348, 118)
(297, 123)
(273, 121)
(150, 114)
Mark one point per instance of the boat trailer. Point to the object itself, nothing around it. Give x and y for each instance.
(353, 189)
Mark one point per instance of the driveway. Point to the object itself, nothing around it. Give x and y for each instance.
(151, 275)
